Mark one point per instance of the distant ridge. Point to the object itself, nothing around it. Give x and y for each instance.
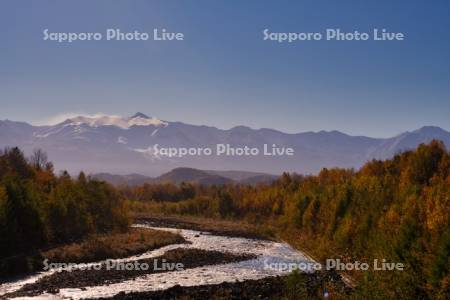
(189, 175)
(118, 180)
(180, 175)
(121, 145)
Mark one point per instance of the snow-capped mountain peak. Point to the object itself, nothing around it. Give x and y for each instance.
(114, 144)
(138, 119)
(140, 115)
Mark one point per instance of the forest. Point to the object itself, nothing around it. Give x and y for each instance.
(39, 210)
(397, 209)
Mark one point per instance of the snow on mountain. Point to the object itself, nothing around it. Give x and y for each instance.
(123, 145)
(138, 119)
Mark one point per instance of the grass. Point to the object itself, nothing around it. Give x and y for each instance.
(118, 245)
(217, 226)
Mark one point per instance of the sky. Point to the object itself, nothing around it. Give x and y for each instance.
(223, 73)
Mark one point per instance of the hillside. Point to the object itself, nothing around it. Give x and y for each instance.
(121, 145)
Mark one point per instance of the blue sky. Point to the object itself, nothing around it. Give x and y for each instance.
(223, 73)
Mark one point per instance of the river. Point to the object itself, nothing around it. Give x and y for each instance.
(269, 255)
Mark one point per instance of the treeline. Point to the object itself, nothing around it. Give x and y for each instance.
(39, 209)
(162, 192)
(396, 210)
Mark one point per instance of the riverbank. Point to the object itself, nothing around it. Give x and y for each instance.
(105, 274)
(267, 288)
(214, 226)
(94, 248)
(295, 286)
(109, 246)
(219, 265)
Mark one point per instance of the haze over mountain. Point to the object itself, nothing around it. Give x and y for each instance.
(180, 175)
(120, 145)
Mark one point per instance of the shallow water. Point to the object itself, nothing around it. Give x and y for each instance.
(267, 252)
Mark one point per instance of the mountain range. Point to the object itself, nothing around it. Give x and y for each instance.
(179, 175)
(126, 145)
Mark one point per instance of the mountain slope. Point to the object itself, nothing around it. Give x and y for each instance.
(240, 175)
(191, 175)
(131, 179)
(118, 145)
(180, 175)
